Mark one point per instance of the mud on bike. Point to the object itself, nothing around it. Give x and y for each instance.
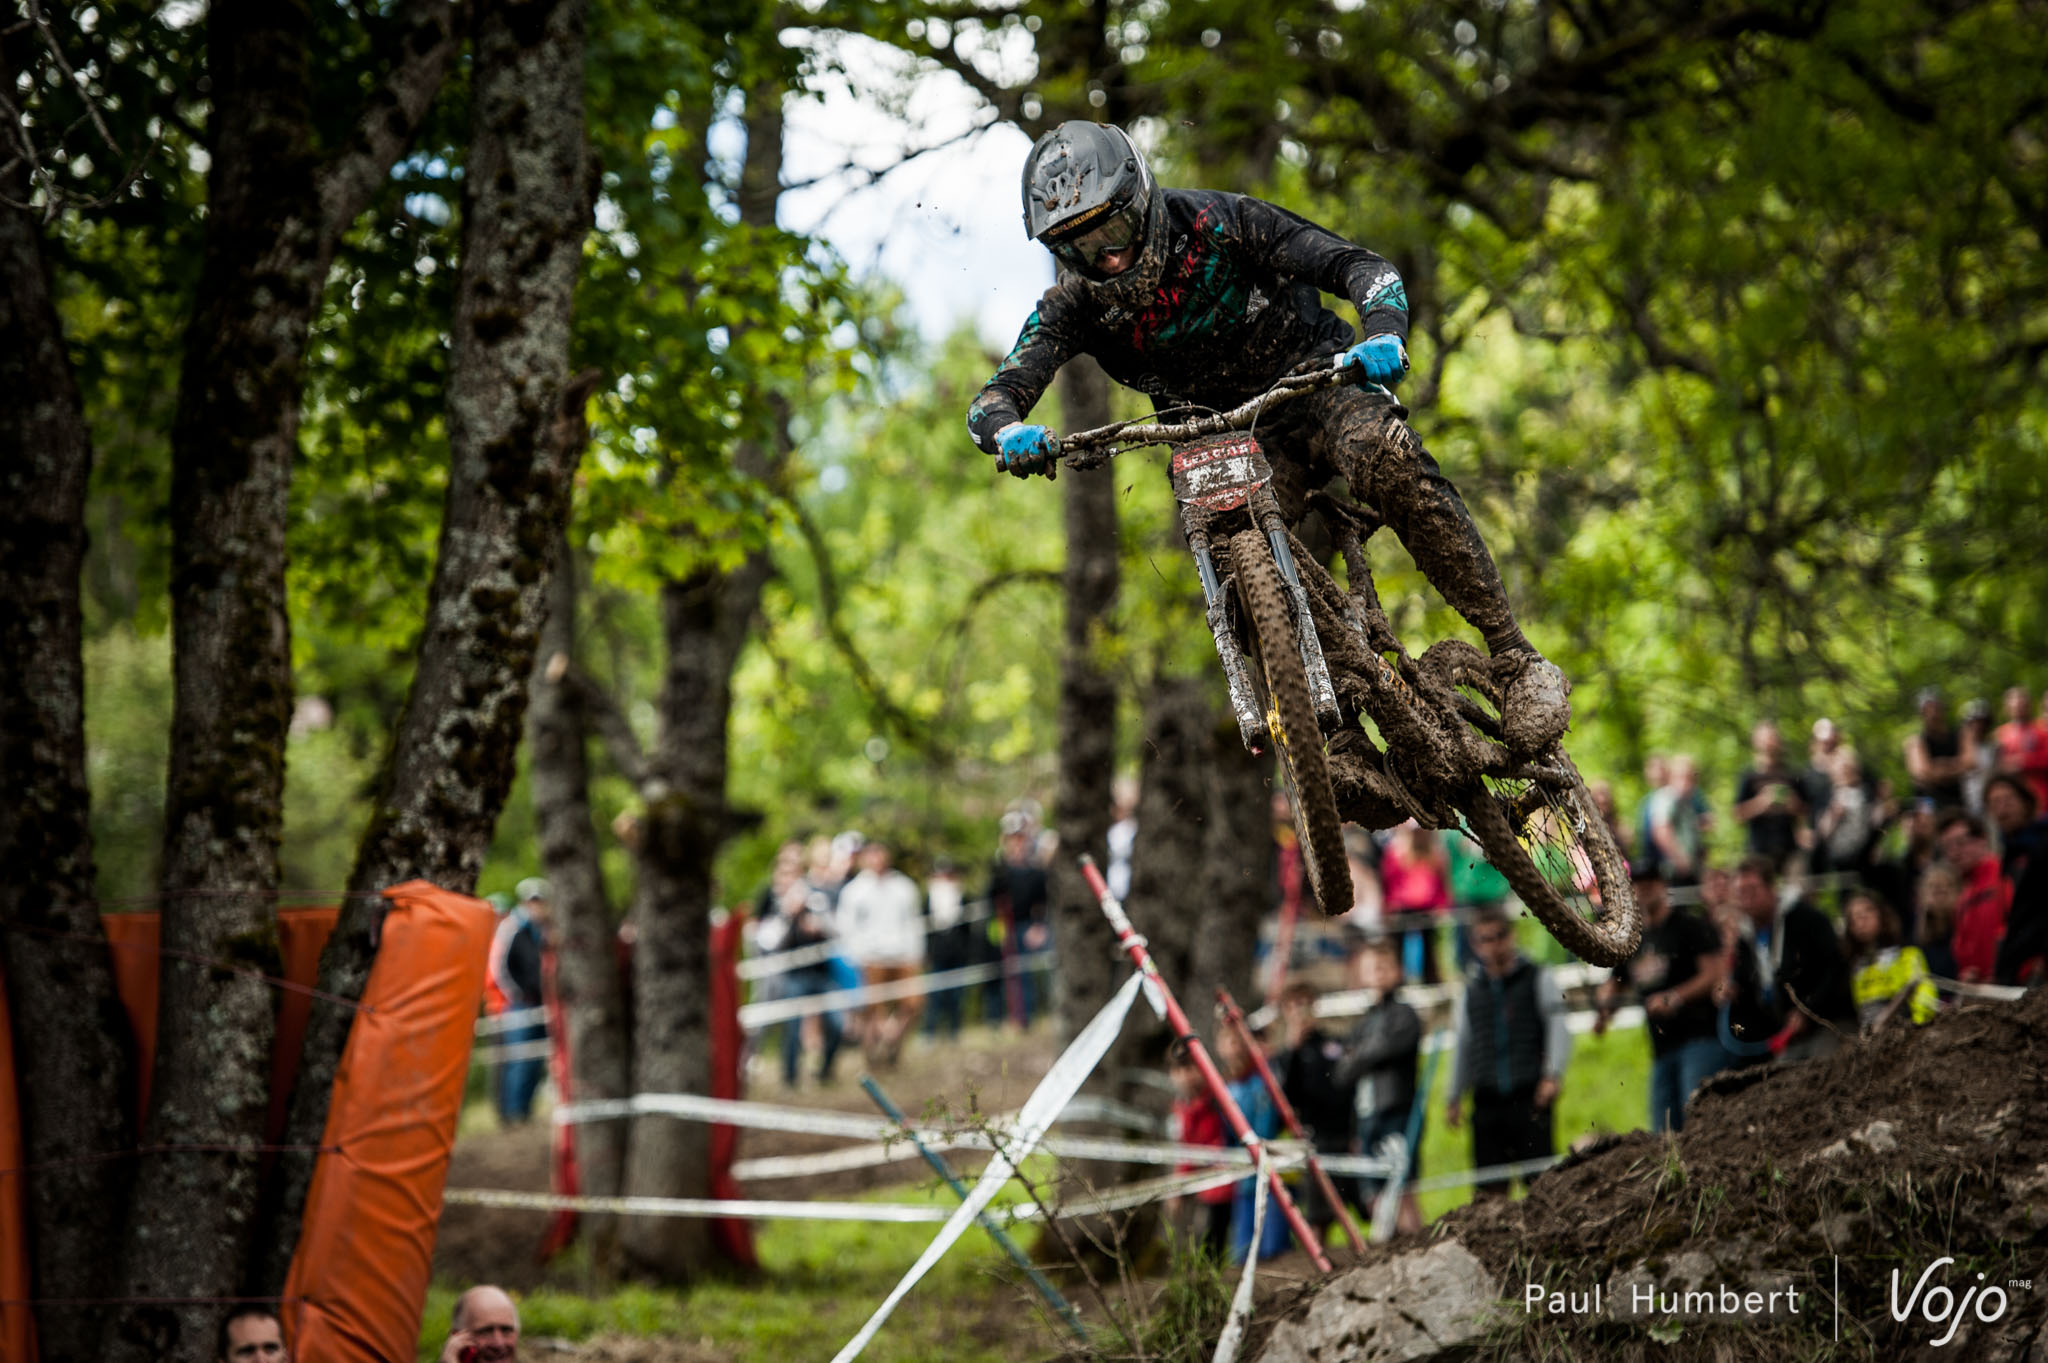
(1310, 663)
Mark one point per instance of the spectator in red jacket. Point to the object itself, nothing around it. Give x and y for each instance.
(1197, 1120)
(2023, 743)
(1987, 894)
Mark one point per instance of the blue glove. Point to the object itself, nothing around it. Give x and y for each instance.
(1024, 450)
(1381, 359)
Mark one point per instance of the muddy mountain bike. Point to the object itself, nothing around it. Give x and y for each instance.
(1365, 732)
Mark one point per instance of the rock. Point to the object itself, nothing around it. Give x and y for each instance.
(1881, 1137)
(1407, 1309)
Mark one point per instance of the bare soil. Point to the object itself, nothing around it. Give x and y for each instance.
(1895, 1151)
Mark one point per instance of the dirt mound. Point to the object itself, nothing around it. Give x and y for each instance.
(1827, 1180)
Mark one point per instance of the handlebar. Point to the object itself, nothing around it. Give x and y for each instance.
(1091, 449)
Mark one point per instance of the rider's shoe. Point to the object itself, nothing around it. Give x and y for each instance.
(1534, 712)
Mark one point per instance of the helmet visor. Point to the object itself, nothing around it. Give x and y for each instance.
(1116, 232)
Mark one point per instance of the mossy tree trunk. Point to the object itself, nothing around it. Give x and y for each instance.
(275, 209)
(586, 962)
(76, 1076)
(1089, 965)
(705, 620)
(516, 432)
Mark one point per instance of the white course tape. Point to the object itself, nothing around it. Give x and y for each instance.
(697, 1206)
(2004, 993)
(754, 1016)
(518, 1050)
(813, 1121)
(1047, 1101)
(509, 1019)
(1228, 1342)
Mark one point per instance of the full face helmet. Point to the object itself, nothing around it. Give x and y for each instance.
(1087, 192)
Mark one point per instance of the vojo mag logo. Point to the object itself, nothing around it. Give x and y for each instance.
(1939, 1306)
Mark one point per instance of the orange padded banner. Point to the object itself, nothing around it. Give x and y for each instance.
(365, 1252)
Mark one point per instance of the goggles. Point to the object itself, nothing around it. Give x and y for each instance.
(1112, 233)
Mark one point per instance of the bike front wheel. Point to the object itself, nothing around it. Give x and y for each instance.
(1282, 684)
(1549, 841)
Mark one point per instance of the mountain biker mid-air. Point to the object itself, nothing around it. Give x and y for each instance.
(1203, 299)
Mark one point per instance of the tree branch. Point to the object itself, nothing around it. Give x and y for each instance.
(426, 35)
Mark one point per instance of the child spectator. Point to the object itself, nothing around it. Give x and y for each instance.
(1513, 1045)
(1985, 896)
(1378, 1070)
(1881, 969)
(1248, 1091)
(1935, 902)
(1197, 1120)
(1673, 972)
(1306, 1067)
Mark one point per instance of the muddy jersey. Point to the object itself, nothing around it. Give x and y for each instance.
(1237, 305)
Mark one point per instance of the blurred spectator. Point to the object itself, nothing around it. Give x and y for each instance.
(2023, 744)
(946, 947)
(1882, 970)
(1678, 822)
(1936, 757)
(1513, 1046)
(1367, 903)
(1981, 754)
(1845, 825)
(1768, 800)
(1656, 775)
(483, 1329)
(881, 923)
(1985, 896)
(807, 914)
(1415, 881)
(1673, 973)
(1306, 1066)
(2023, 861)
(1197, 1120)
(525, 936)
(1123, 836)
(1378, 1070)
(1788, 981)
(1935, 903)
(251, 1334)
(1602, 793)
(1898, 877)
(1475, 884)
(1248, 1091)
(1818, 780)
(1017, 897)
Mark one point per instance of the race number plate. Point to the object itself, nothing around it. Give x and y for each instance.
(1220, 473)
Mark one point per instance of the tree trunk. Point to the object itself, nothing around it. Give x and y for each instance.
(1237, 867)
(586, 960)
(1089, 962)
(232, 443)
(705, 619)
(72, 1056)
(515, 433)
(1174, 824)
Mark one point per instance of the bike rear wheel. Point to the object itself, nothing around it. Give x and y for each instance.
(1291, 721)
(1555, 850)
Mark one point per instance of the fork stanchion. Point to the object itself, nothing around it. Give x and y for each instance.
(1134, 946)
(1233, 1017)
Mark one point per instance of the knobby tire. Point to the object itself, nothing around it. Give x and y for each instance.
(1291, 721)
(1610, 935)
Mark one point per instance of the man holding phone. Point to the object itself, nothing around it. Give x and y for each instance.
(1769, 801)
(483, 1329)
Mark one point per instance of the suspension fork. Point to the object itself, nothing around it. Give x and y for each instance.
(1251, 723)
(1322, 692)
